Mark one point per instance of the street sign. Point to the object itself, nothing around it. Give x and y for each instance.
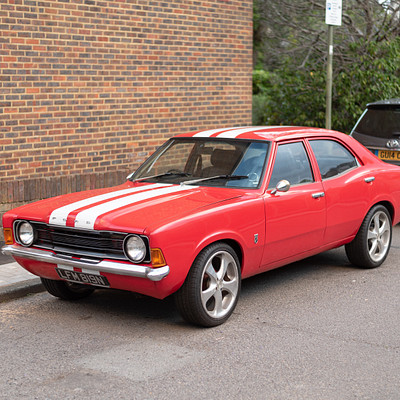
(333, 12)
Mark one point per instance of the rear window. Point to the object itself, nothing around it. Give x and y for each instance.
(333, 159)
(382, 123)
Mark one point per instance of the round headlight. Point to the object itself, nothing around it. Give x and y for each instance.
(25, 233)
(135, 248)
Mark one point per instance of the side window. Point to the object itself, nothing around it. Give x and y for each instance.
(292, 164)
(333, 158)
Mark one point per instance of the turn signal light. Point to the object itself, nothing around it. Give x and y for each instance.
(157, 258)
(8, 236)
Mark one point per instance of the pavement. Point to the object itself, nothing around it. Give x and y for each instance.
(15, 281)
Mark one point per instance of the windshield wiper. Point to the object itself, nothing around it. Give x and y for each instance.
(210, 178)
(162, 175)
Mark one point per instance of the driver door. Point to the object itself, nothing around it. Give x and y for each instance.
(296, 219)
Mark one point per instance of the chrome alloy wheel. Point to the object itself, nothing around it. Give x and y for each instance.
(379, 234)
(371, 245)
(220, 284)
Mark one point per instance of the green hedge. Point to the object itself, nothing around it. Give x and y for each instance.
(297, 97)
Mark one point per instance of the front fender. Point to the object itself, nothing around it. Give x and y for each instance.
(181, 241)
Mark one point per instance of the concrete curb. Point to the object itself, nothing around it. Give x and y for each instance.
(20, 289)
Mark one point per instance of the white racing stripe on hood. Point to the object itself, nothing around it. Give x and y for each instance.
(87, 218)
(59, 215)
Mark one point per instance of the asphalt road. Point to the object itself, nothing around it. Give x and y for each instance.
(317, 329)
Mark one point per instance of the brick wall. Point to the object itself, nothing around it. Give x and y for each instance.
(89, 88)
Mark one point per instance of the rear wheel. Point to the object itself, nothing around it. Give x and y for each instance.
(371, 245)
(212, 287)
(67, 290)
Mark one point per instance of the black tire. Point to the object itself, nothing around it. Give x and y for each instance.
(211, 290)
(66, 290)
(371, 245)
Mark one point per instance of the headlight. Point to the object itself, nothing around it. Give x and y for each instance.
(135, 248)
(25, 233)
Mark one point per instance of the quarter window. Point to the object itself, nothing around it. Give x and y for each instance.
(333, 159)
(292, 164)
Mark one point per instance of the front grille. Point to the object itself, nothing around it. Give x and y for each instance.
(81, 243)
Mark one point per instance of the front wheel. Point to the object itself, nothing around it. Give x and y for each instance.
(211, 290)
(67, 290)
(371, 245)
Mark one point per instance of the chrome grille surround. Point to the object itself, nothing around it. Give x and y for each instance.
(81, 243)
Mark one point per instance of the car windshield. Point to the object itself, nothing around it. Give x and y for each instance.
(206, 162)
(380, 122)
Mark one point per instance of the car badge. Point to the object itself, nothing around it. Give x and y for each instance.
(392, 143)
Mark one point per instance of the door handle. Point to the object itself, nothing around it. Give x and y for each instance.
(318, 195)
(369, 179)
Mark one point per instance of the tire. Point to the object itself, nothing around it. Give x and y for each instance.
(67, 290)
(371, 245)
(212, 288)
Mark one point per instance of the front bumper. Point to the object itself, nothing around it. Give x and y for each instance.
(111, 267)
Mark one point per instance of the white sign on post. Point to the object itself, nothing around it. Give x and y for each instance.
(333, 14)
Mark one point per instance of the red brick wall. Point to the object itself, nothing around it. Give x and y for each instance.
(90, 87)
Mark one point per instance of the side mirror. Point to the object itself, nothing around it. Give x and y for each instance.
(281, 186)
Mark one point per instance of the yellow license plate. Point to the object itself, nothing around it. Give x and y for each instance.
(389, 155)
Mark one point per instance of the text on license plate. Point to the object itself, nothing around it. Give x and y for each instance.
(82, 277)
(388, 155)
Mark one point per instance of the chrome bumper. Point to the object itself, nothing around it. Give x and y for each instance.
(138, 271)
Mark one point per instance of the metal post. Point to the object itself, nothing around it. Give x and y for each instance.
(328, 114)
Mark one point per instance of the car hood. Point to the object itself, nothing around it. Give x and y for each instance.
(126, 208)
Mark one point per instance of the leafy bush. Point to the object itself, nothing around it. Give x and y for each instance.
(290, 96)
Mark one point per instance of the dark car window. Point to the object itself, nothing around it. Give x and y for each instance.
(333, 158)
(292, 164)
(379, 122)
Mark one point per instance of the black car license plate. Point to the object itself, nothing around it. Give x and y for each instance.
(82, 277)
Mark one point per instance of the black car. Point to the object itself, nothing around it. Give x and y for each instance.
(378, 129)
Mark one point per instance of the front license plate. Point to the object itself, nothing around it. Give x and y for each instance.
(83, 277)
(389, 155)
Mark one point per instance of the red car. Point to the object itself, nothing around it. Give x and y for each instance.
(208, 209)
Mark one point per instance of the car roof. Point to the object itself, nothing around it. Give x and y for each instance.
(385, 103)
(270, 133)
